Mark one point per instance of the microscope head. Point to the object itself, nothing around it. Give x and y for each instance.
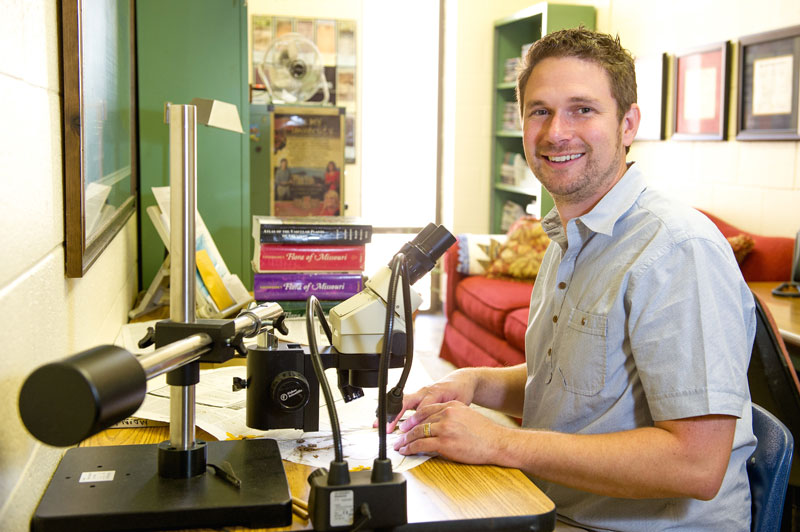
(357, 324)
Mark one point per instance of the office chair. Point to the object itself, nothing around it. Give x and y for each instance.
(774, 385)
(773, 381)
(768, 470)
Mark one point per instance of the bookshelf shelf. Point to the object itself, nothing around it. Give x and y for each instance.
(514, 189)
(510, 35)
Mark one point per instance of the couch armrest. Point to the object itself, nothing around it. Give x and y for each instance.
(469, 249)
(452, 278)
(770, 258)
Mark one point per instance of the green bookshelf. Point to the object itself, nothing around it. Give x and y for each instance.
(510, 34)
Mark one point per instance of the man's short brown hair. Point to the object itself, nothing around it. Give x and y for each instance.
(600, 48)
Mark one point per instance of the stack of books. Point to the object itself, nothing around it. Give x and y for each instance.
(511, 67)
(296, 257)
(511, 120)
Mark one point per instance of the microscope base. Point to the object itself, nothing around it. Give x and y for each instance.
(138, 498)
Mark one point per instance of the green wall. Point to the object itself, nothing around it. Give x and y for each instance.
(188, 49)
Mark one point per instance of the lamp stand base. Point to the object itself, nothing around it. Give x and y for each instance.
(118, 488)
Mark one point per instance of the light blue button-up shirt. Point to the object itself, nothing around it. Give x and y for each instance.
(640, 314)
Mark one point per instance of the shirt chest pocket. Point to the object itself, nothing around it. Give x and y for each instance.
(581, 353)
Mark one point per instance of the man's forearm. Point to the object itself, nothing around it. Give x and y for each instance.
(501, 389)
(642, 463)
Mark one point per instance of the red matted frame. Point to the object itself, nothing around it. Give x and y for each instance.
(700, 94)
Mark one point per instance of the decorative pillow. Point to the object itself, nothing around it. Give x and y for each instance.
(521, 255)
(741, 244)
(476, 252)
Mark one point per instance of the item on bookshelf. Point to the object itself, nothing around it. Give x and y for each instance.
(311, 230)
(295, 286)
(524, 49)
(511, 213)
(308, 257)
(511, 68)
(523, 176)
(507, 174)
(534, 208)
(511, 117)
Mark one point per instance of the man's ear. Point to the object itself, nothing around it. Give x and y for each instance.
(630, 124)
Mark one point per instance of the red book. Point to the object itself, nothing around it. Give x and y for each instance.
(309, 258)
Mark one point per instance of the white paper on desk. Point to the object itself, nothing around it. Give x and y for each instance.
(227, 421)
(359, 448)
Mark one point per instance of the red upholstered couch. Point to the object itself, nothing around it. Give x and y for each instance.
(487, 318)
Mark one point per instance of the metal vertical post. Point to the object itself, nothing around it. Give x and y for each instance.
(183, 199)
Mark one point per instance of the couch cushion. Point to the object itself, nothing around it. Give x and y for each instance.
(515, 327)
(463, 352)
(476, 347)
(497, 348)
(487, 302)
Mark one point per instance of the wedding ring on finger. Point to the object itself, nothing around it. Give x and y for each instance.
(426, 430)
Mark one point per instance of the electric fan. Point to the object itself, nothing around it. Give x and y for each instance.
(292, 70)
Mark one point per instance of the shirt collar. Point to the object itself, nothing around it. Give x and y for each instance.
(610, 208)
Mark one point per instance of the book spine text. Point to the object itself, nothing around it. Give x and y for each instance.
(280, 257)
(299, 286)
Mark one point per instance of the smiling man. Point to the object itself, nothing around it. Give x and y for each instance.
(634, 401)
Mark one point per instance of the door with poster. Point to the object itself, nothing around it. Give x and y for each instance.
(306, 170)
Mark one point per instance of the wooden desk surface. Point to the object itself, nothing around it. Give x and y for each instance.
(785, 311)
(438, 490)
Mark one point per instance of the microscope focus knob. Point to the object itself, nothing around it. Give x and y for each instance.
(290, 391)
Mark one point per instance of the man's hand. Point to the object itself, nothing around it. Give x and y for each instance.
(457, 386)
(456, 432)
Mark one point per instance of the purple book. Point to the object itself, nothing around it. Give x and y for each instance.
(298, 286)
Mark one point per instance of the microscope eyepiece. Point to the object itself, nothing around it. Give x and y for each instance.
(425, 249)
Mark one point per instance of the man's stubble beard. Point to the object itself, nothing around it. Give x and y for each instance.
(591, 181)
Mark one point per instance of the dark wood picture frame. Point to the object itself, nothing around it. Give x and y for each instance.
(651, 87)
(82, 249)
(768, 106)
(701, 119)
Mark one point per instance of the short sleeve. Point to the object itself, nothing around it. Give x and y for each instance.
(691, 327)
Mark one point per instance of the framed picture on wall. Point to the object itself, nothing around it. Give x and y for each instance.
(700, 94)
(769, 83)
(651, 88)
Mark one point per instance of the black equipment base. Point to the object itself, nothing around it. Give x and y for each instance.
(138, 498)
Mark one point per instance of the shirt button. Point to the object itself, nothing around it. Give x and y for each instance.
(555, 319)
(562, 285)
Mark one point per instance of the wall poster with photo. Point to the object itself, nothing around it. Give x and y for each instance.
(336, 41)
(307, 160)
(769, 86)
